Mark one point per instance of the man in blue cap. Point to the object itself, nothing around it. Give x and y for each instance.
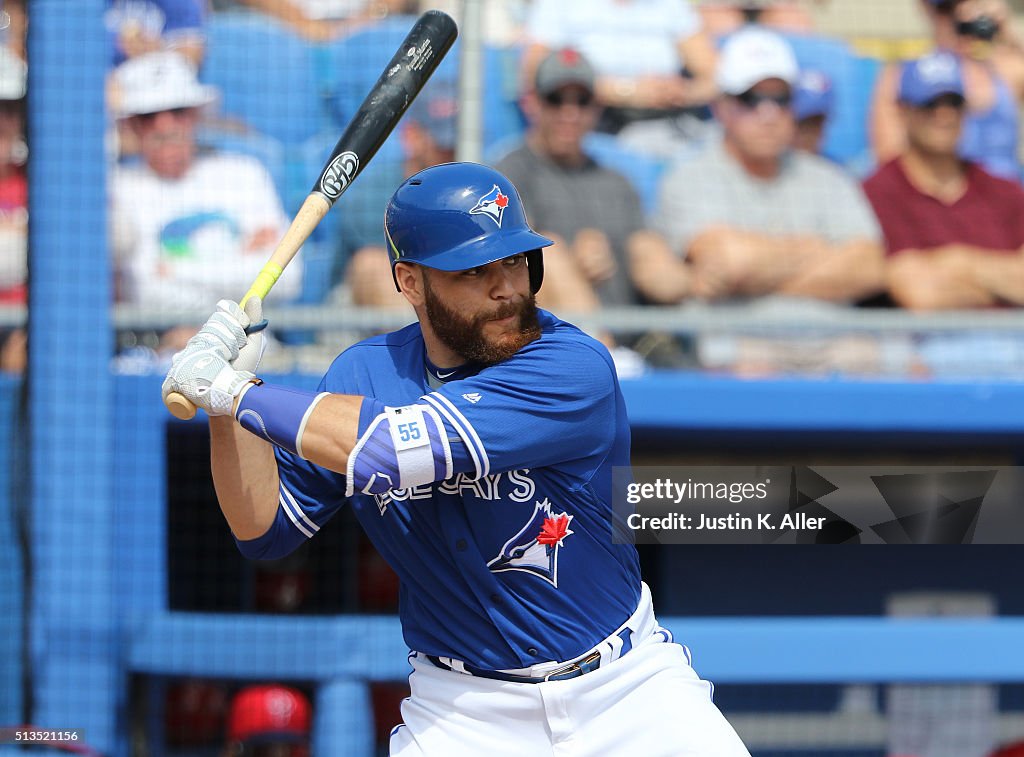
(982, 36)
(812, 104)
(954, 233)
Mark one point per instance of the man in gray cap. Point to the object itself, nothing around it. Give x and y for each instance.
(593, 213)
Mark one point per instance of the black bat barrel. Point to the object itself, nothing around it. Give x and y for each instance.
(412, 65)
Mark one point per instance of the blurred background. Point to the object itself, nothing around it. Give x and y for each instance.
(797, 225)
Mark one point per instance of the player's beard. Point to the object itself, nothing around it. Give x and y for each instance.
(465, 335)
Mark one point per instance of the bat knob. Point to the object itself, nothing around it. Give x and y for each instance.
(180, 406)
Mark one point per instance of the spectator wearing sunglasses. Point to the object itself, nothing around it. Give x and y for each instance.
(654, 66)
(593, 213)
(981, 34)
(752, 216)
(954, 233)
(188, 227)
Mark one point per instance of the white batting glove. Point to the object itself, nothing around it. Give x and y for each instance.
(250, 353)
(224, 332)
(207, 380)
(203, 371)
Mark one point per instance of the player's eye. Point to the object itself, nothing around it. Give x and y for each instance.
(515, 260)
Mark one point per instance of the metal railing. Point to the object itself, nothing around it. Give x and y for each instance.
(768, 316)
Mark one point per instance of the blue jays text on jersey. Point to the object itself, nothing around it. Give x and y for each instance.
(506, 559)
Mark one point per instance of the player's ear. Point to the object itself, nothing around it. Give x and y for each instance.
(410, 281)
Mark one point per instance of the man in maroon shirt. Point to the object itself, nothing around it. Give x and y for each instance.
(954, 233)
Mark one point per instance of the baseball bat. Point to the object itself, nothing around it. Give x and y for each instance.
(413, 63)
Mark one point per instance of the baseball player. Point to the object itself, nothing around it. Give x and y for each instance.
(476, 447)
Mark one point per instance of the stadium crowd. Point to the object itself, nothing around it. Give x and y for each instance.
(679, 152)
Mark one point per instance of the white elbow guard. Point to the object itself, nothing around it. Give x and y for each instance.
(402, 447)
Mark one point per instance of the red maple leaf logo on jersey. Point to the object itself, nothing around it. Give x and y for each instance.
(554, 530)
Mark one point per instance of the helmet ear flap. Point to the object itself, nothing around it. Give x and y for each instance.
(535, 263)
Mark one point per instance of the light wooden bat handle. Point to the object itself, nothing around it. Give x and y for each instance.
(313, 209)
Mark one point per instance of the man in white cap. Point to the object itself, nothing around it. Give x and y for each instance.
(188, 226)
(751, 216)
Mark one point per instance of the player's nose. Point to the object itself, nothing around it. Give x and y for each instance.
(501, 281)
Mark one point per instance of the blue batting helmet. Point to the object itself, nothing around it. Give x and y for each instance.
(457, 216)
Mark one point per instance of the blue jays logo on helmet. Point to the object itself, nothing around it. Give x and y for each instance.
(535, 548)
(492, 204)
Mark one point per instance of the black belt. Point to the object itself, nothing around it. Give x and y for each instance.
(588, 664)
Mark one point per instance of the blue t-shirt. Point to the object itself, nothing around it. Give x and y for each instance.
(511, 562)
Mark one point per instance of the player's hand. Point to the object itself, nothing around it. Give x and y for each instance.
(206, 379)
(203, 371)
(250, 353)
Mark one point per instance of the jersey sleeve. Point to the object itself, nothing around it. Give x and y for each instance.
(546, 405)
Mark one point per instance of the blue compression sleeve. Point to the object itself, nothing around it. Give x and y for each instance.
(277, 414)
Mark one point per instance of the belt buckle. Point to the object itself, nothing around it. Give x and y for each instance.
(574, 669)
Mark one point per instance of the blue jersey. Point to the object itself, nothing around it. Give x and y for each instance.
(511, 561)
